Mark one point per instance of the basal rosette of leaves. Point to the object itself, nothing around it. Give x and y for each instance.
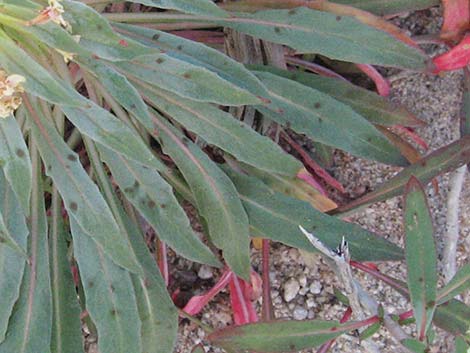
(107, 124)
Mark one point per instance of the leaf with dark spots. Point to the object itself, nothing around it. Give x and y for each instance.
(279, 336)
(81, 196)
(421, 257)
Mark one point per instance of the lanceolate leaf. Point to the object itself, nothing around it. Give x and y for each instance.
(440, 161)
(14, 159)
(421, 258)
(389, 7)
(371, 106)
(82, 198)
(103, 127)
(157, 312)
(197, 7)
(459, 283)
(197, 54)
(276, 216)
(29, 328)
(278, 336)
(153, 197)
(12, 266)
(110, 297)
(186, 80)
(6, 239)
(325, 120)
(216, 198)
(66, 328)
(221, 129)
(342, 38)
(97, 36)
(39, 81)
(454, 317)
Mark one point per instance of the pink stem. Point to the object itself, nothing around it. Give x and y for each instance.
(197, 302)
(377, 274)
(318, 69)
(382, 85)
(412, 135)
(314, 166)
(163, 261)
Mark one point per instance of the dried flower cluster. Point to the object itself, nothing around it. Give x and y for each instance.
(10, 90)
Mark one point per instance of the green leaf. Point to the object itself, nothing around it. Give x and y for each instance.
(39, 81)
(374, 108)
(421, 258)
(325, 120)
(447, 158)
(197, 7)
(153, 197)
(459, 283)
(370, 331)
(461, 346)
(6, 239)
(341, 38)
(29, 328)
(186, 80)
(104, 128)
(110, 297)
(12, 265)
(82, 199)
(157, 312)
(97, 36)
(15, 161)
(50, 32)
(197, 54)
(121, 90)
(278, 336)
(222, 130)
(216, 198)
(389, 7)
(414, 345)
(453, 317)
(276, 216)
(66, 328)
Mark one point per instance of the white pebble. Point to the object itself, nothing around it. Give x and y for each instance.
(205, 272)
(291, 288)
(315, 287)
(300, 313)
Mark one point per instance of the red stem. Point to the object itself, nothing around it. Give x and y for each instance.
(311, 164)
(318, 69)
(163, 261)
(267, 307)
(377, 274)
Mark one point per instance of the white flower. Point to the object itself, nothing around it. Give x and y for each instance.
(10, 90)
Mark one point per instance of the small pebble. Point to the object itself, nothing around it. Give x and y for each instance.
(300, 313)
(291, 288)
(205, 272)
(315, 287)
